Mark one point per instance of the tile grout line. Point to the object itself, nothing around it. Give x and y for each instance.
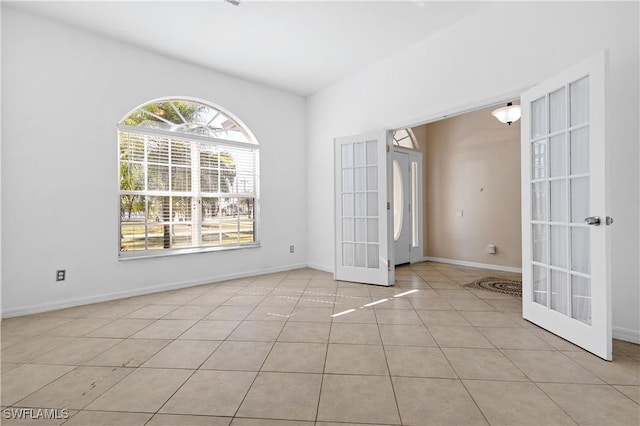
(266, 357)
(386, 360)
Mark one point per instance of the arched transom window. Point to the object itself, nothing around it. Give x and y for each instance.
(188, 179)
(405, 138)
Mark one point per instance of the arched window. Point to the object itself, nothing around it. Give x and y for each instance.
(405, 138)
(188, 179)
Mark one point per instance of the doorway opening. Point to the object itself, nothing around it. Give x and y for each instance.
(468, 203)
(406, 179)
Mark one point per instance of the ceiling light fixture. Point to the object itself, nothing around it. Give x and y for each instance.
(507, 114)
(233, 2)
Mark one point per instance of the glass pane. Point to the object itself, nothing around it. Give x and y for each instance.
(372, 230)
(230, 208)
(159, 209)
(540, 285)
(360, 179)
(557, 111)
(538, 118)
(209, 208)
(559, 200)
(559, 246)
(131, 176)
(347, 255)
(539, 160)
(132, 237)
(180, 235)
(347, 155)
(373, 259)
(361, 230)
(540, 243)
(581, 299)
(347, 180)
(181, 209)
(360, 204)
(158, 150)
(372, 152)
(347, 205)
(579, 101)
(209, 180)
(559, 291)
(157, 178)
(372, 178)
(372, 204)
(131, 147)
(359, 154)
(180, 152)
(159, 237)
(415, 197)
(211, 233)
(132, 208)
(539, 201)
(579, 199)
(247, 234)
(180, 179)
(398, 201)
(360, 255)
(347, 230)
(580, 151)
(581, 250)
(558, 156)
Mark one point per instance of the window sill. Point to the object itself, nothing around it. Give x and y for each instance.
(177, 252)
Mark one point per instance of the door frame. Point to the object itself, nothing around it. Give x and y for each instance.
(496, 101)
(416, 253)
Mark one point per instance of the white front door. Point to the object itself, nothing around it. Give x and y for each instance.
(362, 210)
(401, 208)
(566, 286)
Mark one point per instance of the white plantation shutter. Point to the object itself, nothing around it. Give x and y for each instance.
(187, 191)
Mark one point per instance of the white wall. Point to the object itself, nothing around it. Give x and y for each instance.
(64, 92)
(0, 174)
(495, 53)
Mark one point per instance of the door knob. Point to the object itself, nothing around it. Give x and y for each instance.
(593, 220)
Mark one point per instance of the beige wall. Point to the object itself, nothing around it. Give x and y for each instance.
(472, 164)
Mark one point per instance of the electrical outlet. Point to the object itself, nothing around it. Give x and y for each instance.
(292, 249)
(61, 274)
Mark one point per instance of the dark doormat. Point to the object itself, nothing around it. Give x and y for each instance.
(498, 285)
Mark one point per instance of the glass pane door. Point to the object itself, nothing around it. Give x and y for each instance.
(560, 186)
(360, 243)
(361, 216)
(566, 283)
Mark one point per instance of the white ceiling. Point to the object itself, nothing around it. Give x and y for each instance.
(298, 46)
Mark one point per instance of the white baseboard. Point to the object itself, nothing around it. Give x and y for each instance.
(626, 334)
(323, 268)
(45, 307)
(473, 264)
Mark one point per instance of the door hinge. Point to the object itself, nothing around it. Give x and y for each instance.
(388, 148)
(388, 205)
(388, 264)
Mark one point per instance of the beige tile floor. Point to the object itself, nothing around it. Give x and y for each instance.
(267, 351)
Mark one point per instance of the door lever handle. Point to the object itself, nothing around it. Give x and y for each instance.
(592, 220)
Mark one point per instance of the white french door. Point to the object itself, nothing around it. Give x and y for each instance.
(566, 285)
(361, 210)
